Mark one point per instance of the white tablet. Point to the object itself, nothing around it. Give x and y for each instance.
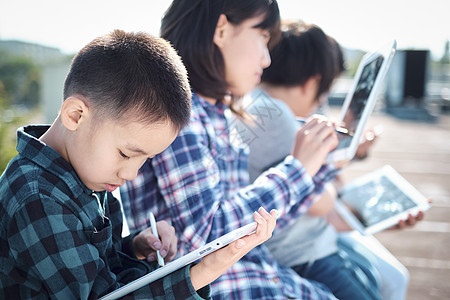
(360, 101)
(379, 200)
(182, 261)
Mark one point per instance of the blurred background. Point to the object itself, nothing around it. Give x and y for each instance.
(39, 38)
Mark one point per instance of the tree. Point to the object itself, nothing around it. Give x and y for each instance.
(19, 87)
(20, 77)
(8, 124)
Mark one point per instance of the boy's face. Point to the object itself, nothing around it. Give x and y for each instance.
(104, 158)
(303, 100)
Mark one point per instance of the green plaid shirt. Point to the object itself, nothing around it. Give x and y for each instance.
(56, 241)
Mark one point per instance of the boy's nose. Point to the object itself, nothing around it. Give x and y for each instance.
(128, 173)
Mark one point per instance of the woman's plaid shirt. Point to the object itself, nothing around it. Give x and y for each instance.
(200, 184)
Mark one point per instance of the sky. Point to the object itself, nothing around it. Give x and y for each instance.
(359, 24)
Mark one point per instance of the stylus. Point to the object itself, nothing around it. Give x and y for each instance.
(338, 129)
(155, 233)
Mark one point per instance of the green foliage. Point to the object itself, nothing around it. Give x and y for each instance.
(19, 88)
(20, 78)
(7, 137)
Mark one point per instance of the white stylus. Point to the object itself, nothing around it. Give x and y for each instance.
(155, 233)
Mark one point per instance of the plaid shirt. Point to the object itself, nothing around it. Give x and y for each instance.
(59, 241)
(200, 184)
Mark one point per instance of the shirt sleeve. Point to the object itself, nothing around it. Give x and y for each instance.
(56, 255)
(192, 177)
(270, 138)
(326, 173)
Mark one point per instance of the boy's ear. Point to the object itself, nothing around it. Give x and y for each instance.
(219, 33)
(73, 112)
(311, 86)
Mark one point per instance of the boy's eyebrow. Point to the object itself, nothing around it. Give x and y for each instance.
(135, 149)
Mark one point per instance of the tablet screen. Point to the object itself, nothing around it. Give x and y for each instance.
(377, 200)
(359, 100)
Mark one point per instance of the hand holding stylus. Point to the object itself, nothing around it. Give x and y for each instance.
(313, 142)
(155, 233)
(146, 243)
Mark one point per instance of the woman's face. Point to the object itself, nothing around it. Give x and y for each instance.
(245, 53)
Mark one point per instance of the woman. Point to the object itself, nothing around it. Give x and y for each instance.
(201, 182)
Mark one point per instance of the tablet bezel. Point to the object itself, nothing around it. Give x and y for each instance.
(387, 52)
(421, 202)
(182, 261)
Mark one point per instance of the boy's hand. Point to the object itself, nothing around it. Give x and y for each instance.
(313, 142)
(145, 243)
(340, 164)
(411, 220)
(215, 264)
(367, 139)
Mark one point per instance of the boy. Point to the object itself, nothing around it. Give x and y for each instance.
(304, 66)
(126, 98)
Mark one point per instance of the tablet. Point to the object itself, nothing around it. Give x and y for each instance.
(182, 261)
(360, 101)
(379, 200)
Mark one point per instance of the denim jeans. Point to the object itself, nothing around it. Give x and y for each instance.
(392, 276)
(346, 273)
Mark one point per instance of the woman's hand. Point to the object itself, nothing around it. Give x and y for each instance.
(215, 264)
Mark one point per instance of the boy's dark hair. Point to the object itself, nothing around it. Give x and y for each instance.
(131, 76)
(190, 27)
(339, 56)
(303, 51)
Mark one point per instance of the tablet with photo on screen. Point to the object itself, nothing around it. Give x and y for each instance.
(360, 100)
(379, 200)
